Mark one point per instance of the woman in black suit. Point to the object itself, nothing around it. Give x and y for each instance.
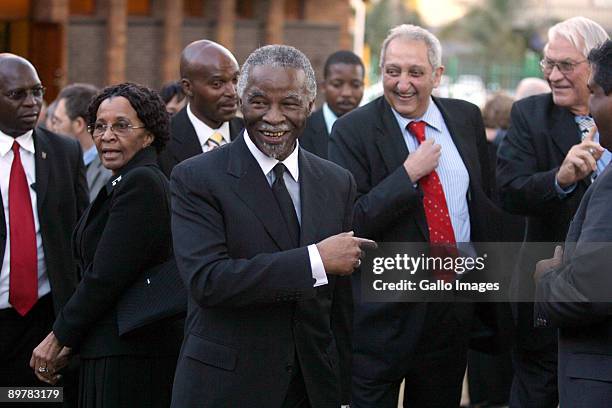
(125, 231)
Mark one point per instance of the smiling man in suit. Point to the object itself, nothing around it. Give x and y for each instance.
(44, 192)
(403, 149)
(343, 89)
(544, 166)
(209, 73)
(261, 239)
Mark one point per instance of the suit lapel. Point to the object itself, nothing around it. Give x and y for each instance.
(321, 134)
(392, 147)
(184, 135)
(235, 126)
(42, 162)
(253, 189)
(312, 198)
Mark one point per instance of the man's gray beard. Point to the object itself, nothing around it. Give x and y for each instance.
(276, 151)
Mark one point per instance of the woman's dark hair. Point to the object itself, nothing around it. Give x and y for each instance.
(171, 89)
(148, 105)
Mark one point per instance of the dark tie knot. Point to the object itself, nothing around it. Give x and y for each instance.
(417, 129)
(279, 170)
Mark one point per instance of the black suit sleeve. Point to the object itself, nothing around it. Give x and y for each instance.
(486, 172)
(132, 231)
(523, 188)
(377, 206)
(211, 275)
(81, 189)
(578, 292)
(342, 310)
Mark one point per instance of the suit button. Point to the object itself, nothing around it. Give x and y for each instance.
(289, 368)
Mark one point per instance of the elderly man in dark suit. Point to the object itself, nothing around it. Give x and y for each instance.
(44, 192)
(209, 75)
(544, 167)
(402, 148)
(572, 287)
(260, 231)
(343, 89)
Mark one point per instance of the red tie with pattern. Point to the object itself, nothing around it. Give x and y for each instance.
(23, 286)
(436, 210)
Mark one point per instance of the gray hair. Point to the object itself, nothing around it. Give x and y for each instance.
(583, 33)
(283, 56)
(415, 33)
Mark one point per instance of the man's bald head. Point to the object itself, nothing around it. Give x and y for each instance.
(209, 73)
(21, 95)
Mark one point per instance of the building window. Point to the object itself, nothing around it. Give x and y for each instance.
(245, 9)
(139, 7)
(194, 8)
(82, 7)
(294, 9)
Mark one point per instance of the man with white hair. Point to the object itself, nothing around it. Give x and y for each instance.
(405, 149)
(545, 164)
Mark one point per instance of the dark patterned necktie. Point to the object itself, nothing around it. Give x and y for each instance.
(286, 203)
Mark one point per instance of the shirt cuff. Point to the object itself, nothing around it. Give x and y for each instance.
(316, 265)
(564, 192)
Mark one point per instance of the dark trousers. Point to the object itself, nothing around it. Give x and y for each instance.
(434, 376)
(19, 335)
(535, 378)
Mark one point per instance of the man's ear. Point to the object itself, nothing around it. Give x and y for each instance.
(79, 125)
(186, 85)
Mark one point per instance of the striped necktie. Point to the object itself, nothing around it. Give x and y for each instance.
(215, 140)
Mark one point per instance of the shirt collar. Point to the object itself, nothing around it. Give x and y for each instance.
(432, 116)
(267, 163)
(204, 131)
(329, 116)
(26, 141)
(90, 155)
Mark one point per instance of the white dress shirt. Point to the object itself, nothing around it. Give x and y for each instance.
(330, 117)
(26, 151)
(204, 131)
(291, 178)
(451, 170)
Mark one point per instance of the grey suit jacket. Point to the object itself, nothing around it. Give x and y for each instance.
(97, 176)
(573, 298)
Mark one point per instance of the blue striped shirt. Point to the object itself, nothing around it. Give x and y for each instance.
(451, 169)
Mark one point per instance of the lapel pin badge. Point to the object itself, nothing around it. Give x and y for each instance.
(115, 181)
(43, 155)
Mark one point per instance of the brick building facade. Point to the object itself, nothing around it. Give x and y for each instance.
(109, 41)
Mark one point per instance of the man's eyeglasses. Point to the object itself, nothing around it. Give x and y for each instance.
(120, 129)
(20, 94)
(565, 67)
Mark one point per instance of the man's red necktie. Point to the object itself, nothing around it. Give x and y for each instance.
(436, 210)
(23, 288)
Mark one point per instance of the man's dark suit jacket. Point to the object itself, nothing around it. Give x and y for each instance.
(252, 305)
(369, 143)
(315, 137)
(572, 298)
(125, 231)
(540, 135)
(61, 196)
(184, 142)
